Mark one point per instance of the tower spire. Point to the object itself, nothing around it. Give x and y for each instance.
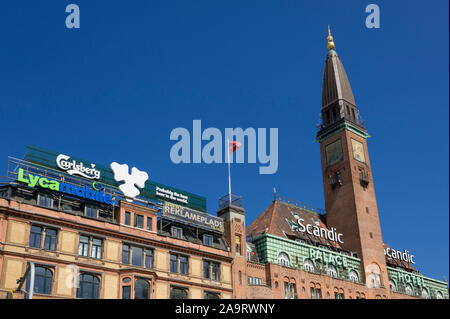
(330, 40)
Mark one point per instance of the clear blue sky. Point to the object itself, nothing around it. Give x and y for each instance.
(114, 89)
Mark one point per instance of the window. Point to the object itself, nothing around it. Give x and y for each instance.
(91, 211)
(376, 280)
(127, 218)
(96, 251)
(283, 259)
(148, 258)
(249, 255)
(206, 269)
(332, 271)
(254, 281)
(89, 287)
(207, 240)
(138, 221)
(215, 271)
(240, 278)
(289, 290)
(149, 223)
(212, 295)
(42, 281)
(425, 293)
(353, 276)
(309, 265)
(408, 289)
(96, 245)
(338, 295)
(125, 254)
(83, 247)
(140, 257)
(173, 263)
(177, 232)
(316, 293)
(237, 240)
(178, 293)
(136, 257)
(392, 285)
(141, 289)
(45, 200)
(183, 265)
(439, 295)
(50, 239)
(35, 236)
(126, 292)
(211, 270)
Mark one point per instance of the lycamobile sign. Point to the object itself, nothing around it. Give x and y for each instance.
(95, 194)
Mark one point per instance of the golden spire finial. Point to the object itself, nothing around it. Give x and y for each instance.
(330, 40)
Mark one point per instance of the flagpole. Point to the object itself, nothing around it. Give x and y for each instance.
(229, 173)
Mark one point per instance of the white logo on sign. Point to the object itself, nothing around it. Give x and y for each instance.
(74, 168)
(137, 178)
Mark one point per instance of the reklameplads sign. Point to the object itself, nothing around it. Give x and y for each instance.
(185, 214)
(69, 164)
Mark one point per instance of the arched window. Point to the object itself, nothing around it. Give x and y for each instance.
(141, 289)
(283, 259)
(353, 275)
(439, 295)
(392, 285)
(408, 289)
(178, 293)
(332, 271)
(308, 265)
(425, 293)
(42, 280)
(89, 287)
(374, 274)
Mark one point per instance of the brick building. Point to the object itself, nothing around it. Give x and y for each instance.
(296, 251)
(67, 230)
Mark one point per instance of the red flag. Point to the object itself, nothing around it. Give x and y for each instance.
(234, 146)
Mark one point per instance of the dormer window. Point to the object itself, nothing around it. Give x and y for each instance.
(177, 232)
(208, 240)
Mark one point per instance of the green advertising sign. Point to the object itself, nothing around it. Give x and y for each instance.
(86, 169)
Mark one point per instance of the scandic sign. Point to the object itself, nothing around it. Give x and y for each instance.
(183, 213)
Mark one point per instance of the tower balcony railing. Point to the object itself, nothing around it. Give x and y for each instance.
(230, 200)
(355, 120)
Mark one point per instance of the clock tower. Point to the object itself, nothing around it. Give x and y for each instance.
(347, 176)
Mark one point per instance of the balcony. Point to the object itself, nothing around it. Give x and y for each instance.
(364, 179)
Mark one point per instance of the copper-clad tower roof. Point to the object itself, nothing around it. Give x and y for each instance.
(336, 85)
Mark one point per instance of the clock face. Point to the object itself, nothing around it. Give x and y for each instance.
(334, 152)
(358, 151)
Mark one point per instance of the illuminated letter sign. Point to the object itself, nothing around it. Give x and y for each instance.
(330, 234)
(95, 194)
(396, 254)
(74, 168)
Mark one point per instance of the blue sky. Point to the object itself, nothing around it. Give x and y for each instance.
(115, 88)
